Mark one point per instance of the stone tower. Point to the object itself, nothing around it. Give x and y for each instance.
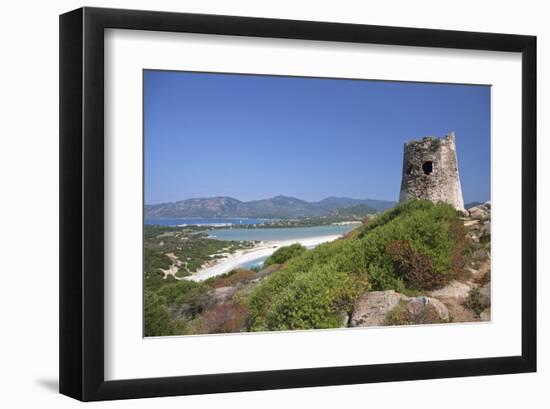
(430, 171)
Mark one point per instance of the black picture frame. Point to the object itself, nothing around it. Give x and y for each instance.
(82, 198)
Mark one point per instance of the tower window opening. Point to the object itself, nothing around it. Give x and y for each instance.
(427, 167)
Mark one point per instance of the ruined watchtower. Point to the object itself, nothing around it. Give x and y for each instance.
(430, 171)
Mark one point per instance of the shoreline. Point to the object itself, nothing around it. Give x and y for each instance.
(263, 249)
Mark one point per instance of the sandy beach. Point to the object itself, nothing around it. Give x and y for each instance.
(263, 249)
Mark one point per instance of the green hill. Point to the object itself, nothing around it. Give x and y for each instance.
(412, 247)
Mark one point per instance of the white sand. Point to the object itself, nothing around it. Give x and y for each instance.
(264, 249)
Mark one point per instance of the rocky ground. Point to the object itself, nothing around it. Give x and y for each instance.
(220, 304)
(465, 299)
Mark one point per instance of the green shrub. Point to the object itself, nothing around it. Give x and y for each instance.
(430, 242)
(261, 298)
(283, 254)
(313, 299)
(157, 317)
(182, 292)
(157, 305)
(153, 262)
(393, 213)
(384, 278)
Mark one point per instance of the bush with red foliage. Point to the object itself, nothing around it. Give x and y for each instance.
(233, 278)
(223, 318)
(416, 269)
(458, 231)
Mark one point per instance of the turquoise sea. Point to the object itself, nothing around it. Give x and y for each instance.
(284, 233)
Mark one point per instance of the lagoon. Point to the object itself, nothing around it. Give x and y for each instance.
(268, 241)
(278, 234)
(201, 221)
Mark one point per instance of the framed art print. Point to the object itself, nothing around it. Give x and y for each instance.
(254, 204)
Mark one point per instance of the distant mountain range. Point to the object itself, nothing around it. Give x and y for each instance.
(275, 207)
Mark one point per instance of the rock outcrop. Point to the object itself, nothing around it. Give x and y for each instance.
(480, 212)
(221, 295)
(485, 314)
(371, 309)
(455, 289)
(427, 310)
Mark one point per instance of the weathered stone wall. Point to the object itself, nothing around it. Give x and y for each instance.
(430, 171)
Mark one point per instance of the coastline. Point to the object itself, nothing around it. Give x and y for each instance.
(263, 249)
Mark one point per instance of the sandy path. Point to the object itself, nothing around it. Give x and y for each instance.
(264, 249)
(174, 267)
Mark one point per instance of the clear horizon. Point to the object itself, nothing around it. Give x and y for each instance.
(254, 137)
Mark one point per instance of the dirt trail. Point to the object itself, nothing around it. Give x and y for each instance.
(174, 267)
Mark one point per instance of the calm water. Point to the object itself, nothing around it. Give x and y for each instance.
(258, 262)
(205, 221)
(240, 234)
(284, 233)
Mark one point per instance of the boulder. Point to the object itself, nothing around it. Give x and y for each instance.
(485, 314)
(220, 295)
(480, 255)
(477, 213)
(485, 229)
(459, 311)
(427, 310)
(455, 289)
(471, 223)
(372, 307)
(485, 294)
(345, 318)
(480, 212)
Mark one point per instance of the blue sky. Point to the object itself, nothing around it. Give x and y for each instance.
(253, 137)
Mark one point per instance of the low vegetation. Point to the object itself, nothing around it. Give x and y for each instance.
(190, 247)
(223, 318)
(282, 255)
(416, 246)
(157, 317)
(231, 278)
